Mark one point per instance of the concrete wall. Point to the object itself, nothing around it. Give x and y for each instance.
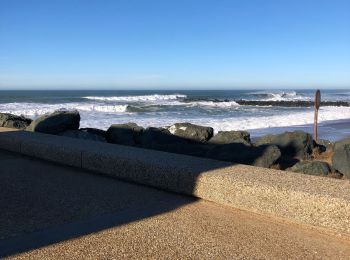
(304, 199)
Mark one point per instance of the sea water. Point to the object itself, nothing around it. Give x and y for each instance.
(219, 109)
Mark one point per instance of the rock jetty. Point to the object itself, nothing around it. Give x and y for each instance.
(293, 151)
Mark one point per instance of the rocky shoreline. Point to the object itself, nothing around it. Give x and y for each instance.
(293, 151)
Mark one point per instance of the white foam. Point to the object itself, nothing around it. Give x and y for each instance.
(225, 104)
(229, 123)
(283, 119)
(103, 115)
(37, 109)
(280, 96)
(143, 98)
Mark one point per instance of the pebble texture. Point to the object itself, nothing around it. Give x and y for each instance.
(52, 211)
(311, 200)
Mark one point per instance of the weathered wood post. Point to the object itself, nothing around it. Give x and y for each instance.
(317, 106)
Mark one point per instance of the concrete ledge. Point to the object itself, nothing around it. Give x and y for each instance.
(10, 142)
(52, 150)
(303, 199)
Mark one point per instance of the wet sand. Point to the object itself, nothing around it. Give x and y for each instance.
(329, 130)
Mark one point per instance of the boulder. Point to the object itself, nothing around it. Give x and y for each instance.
(311, 167)
(161, 139)
(94, 131)
(325, 145)
(81, 134)
(261, 156)
(158, 136)
(13, 121)
(341, 157)
(125, 134)
(296, 144)
(56, 122)
(229, 137)
(191, 132)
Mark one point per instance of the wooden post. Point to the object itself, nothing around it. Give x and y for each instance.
(317, 106)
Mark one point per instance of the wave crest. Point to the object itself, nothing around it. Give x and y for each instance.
(143, 98)
(279, 96)
(223, 104)
(37, 109)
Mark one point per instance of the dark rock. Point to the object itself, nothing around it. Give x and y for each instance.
(158, 136)
(311, 167)
(262, 156)
(286, 162)
(94, 131)
(341, 157)
(56, 122)
(325, 145)
(161, 139)
(229, 137)
(126, 134)
(192, 132)
(80, 134)
(295, 144)
(13, 121)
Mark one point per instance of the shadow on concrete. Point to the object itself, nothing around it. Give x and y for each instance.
(44, 203)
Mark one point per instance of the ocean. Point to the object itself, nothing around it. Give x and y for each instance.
(256, 110)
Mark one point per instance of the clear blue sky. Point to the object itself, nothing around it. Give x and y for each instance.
(174, 43)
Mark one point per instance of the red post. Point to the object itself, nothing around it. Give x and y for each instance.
(317, 106)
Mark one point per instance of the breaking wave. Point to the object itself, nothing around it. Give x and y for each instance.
(142, 98)
(279, 96)
(37, 109)
(223, 104)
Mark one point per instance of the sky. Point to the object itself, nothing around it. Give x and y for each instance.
(177, 44)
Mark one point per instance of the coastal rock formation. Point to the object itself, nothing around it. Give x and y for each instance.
(56, 122)
(282, 151)
(325, 145)
(229, 137)
(161, 139)
(296, 144)
(341, 157)
(125, 134)
(192, 132)
(81, 134)
(311, 167)
(94, 131)
(13, 121)
(158, 136)
(262, 156)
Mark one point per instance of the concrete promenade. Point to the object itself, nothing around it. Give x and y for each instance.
(51, 211)
(302, 199)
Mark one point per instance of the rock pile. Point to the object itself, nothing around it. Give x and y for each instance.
(295, 151)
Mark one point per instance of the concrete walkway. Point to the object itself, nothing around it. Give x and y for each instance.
(300, 198)
(56, 212)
